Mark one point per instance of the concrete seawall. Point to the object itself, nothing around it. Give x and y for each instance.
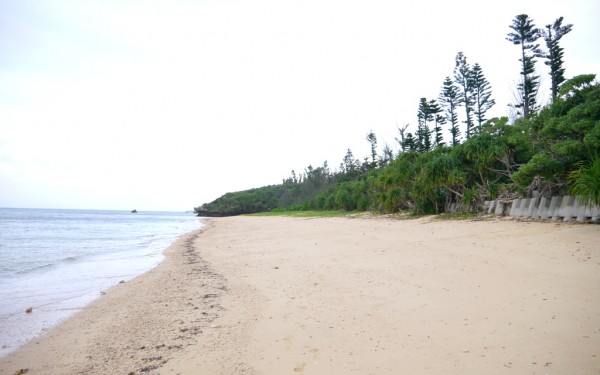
(564, 208)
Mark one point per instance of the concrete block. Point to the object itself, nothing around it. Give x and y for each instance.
(523, 207)
(499, 208)
(542, 210)
(566, 207)
(554, 209)
(595, 212)
(581, 210)
(533, 204)
(491, 207)
(592, 211)
(515, 207)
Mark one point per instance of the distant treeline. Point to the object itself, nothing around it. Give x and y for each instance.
(555, 150)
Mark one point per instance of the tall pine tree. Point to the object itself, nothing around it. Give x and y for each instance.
(554, 55)
(482, 94)
(423, 141)
(438, 120)
(402, 140)
(462, 77)
(450, 100)
(409, 144)
(372, 139)
(525, 35)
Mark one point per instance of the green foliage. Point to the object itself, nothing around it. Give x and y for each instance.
(566, 136)
(586, 181)
(244, 202)
(553, 151)
(392, 185)
(470, 198)
(541, 166)
(550, 152)
(372, 139)
(305, 213)
(576, 84)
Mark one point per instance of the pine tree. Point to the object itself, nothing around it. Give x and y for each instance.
(526, 34)
(450, 100)
(372, 139)
(482, 94)
(423, 138)
(554, 55)
(423, 141)
(440, 120)
(462, 77)
(409, 144)
(402, 140)
(387, 156)
(350, 164)
(434, 110)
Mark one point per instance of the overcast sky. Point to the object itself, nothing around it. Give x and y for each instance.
(165, 105)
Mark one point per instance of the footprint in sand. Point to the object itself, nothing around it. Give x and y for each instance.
(300, 367)
(315, 353)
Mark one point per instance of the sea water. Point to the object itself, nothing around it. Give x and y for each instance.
(57, 261)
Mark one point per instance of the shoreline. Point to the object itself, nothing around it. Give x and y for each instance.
(113, 310)
(56, 262)
(262, 295)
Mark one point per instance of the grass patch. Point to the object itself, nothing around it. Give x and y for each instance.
(308, 213)
(398, 215)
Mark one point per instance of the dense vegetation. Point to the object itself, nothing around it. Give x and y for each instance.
(547, 151)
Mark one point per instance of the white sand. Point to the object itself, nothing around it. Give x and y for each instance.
(276, 295)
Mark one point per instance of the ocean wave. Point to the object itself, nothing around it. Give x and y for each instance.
(36, 268)
(47, 266)
(59, 260)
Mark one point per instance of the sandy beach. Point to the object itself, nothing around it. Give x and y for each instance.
(365, 295)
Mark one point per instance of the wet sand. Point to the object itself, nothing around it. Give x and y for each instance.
(280, 295)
